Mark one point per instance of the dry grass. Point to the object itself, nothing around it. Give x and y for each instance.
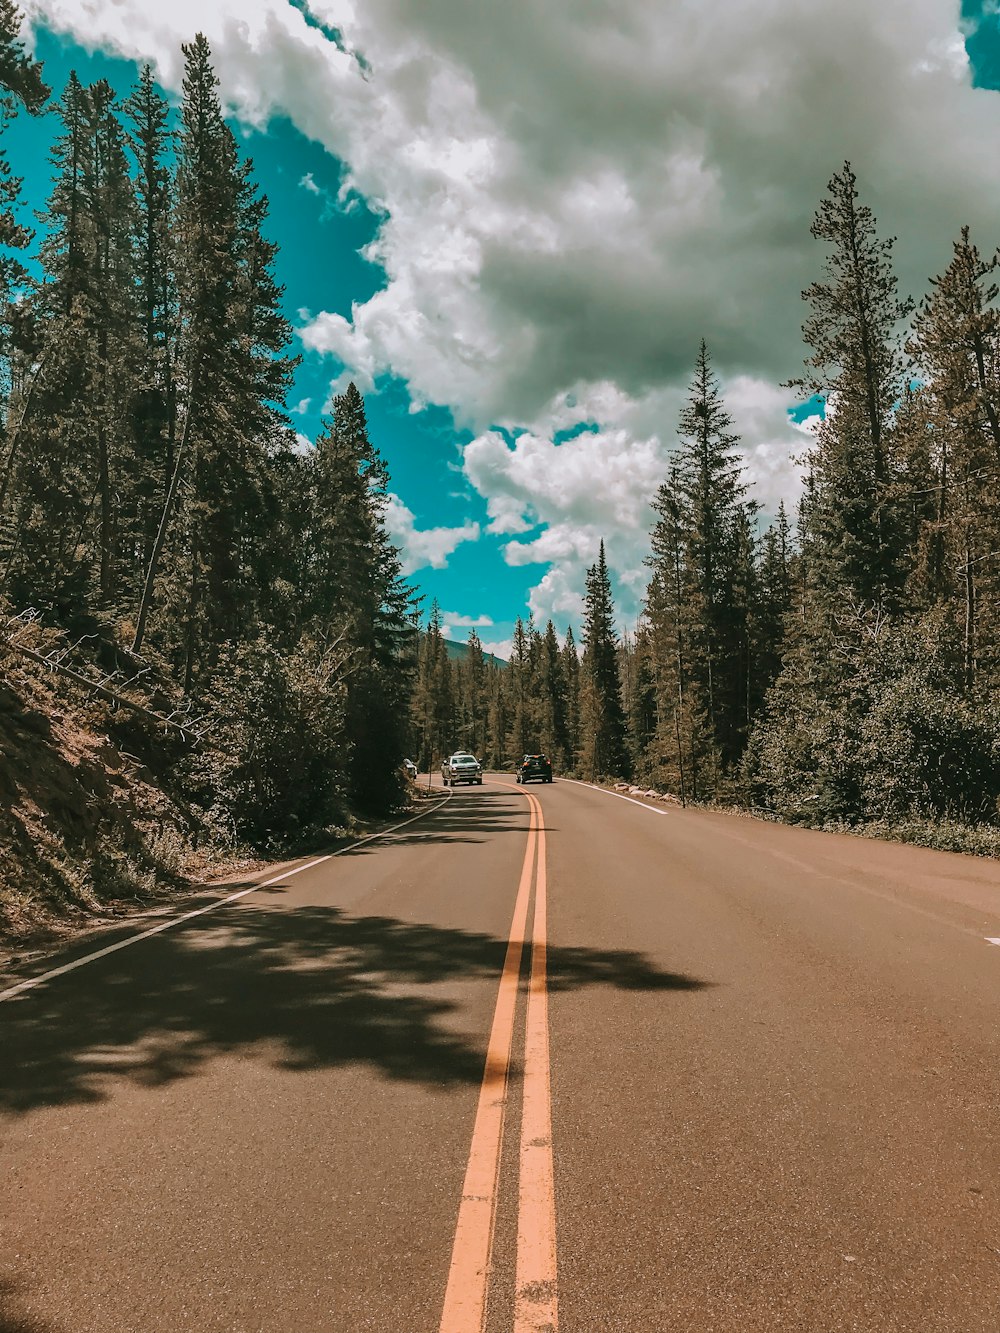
(86, 828)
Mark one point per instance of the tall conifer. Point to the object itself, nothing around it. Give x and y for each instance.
(602, 718)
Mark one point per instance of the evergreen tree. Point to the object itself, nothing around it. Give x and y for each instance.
(956, 344)
(148, 471)
(855, 525)
(602, 719)
(433, 696)
(774, 599)
(497, 719)
(570, 661)
(154, 406)
(76, 442)
(234, 374)
(475, 701)
(520, 697)
(857, 530)
(699, 602)
(553, 738)
(710, 504)
(354, 591)
(641, 703)
(112, 286)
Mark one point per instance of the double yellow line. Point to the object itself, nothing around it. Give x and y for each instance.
(535, 1297)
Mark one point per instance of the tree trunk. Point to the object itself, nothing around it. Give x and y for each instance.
(970, 617)
(161, 535)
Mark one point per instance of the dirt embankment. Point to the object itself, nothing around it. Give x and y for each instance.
(92, 820)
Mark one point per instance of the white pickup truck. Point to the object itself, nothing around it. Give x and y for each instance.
(462, 767)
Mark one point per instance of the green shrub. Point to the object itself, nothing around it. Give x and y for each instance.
(884, 733)
(274, 761)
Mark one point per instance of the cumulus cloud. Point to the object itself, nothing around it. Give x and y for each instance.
(578, 196)
(501, 648)
(420, 547)
(571, 196)
(557, 499)
(456, 621)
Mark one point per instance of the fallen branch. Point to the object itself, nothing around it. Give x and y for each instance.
(105, 693)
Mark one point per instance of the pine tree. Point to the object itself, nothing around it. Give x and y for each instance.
(154, 405)
(433, 696)
(709, 478)
(110, 199)
(699, 601)
(570, 660)
(77, 439)
(807, 755)
(149, 471)
(234, 374)
(497, 718)
(956, 344)
(474, 696)
(774, 600)
(641, 704)
(857, 529)
(353, 589)
(602, 719)
(553, 737)
(200, 560)
(520, 697)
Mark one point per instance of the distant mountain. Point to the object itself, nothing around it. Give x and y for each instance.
(459, 651)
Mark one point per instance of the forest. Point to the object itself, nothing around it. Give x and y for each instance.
(226, 610)
(837, 667)
(176, 572)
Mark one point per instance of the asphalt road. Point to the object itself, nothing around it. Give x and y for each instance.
(740, 1077)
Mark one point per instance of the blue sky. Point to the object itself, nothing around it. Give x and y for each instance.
(544, 263)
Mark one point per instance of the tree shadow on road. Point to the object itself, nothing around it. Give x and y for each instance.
(470, 816)
(303, 989)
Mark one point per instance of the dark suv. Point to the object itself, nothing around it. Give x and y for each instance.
(533, 767)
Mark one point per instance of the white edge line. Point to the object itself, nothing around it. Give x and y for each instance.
(211, 907)
(593, 787)
(991, 940)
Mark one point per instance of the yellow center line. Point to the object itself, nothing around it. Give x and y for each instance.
(468, 1276)
(536, 1308)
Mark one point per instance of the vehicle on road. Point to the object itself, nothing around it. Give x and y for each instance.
(533, 768)
(409, 768)
(462, 767)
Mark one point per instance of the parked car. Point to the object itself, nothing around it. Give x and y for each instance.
(409, 768)
(533, 768)
(462, 767)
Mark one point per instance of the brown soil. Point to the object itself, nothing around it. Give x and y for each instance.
(87, 829)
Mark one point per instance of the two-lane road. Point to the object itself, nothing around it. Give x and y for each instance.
(739, 1077)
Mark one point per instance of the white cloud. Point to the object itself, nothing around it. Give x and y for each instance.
(599, 485)
(561, 200)
(465, 622)
(501, 648)
(420, 547)
(308, 183)
(571, 196)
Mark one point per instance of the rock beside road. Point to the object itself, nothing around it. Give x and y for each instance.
(647, 793)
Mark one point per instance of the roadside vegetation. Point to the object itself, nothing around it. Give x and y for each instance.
(839, 667)
(187, 595)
